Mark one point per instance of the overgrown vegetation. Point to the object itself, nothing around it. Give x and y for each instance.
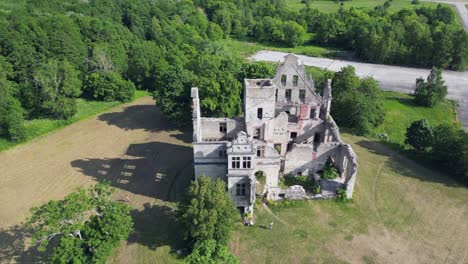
(303, 180)
(86, 225)
(330, 172)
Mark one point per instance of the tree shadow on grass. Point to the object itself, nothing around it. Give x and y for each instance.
(154, 169)
(156, 226)
(409, 164)
(13, 246)
(146, 117)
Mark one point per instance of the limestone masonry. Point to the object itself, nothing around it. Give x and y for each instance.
(286, 130)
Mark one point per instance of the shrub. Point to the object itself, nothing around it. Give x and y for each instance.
(341, 195)
(290, 180)
(317, 189)
(415, 2)
(209, 252)
(330, 172)
(419, 135)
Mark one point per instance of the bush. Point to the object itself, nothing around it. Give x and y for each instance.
(210, 252)
(415, 2)
(341, 195)
(330, 172)
(419, 135)
(290, 180)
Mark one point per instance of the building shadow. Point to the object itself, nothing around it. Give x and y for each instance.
(154, 169)
(147, 117)
(409, 164)
(156, 226)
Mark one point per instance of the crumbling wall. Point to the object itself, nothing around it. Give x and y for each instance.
(210, 127)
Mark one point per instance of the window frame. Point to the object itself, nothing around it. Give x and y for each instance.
(223, 127)
(235, 162)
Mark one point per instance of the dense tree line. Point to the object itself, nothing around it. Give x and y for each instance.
(422, 36)
(56, 51)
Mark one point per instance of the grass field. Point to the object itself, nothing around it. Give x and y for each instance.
(332, 6)
(402, 111)
(247, 49)
(85, 109)
(402, 212)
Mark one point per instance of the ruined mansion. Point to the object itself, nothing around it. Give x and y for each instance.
(286, 130)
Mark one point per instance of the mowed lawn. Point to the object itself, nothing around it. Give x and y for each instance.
(85, 109)
(402, 111)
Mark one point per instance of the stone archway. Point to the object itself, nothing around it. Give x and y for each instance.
(260, 179)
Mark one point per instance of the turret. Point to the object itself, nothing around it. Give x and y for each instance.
(196, 116)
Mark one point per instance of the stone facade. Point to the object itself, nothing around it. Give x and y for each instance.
(287, 129)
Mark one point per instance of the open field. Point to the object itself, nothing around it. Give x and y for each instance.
(131, 146)
(85, 109)
(403, 213)
(402, 111)
(247, 49)
(329, 6)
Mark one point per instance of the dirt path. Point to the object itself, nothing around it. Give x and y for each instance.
(131, 146)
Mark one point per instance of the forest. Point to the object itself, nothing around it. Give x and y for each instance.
(52, 51)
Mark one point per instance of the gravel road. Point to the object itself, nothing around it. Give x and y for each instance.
(391, 78)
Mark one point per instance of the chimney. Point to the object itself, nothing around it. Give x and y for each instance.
(196, 115)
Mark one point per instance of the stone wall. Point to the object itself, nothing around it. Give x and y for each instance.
(210, 127)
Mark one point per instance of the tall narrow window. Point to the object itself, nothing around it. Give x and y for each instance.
(240, 189)
(288, 95)
(257, 133)
(261, 151)
(312, 113)
(235, 162)
(222, 127)
(259, 113)
(283, 80)
(295, 80)
(302, 94)
(276, 95)
(246, 162)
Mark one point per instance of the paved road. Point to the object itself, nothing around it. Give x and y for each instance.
(461, 9)
(392, 78)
